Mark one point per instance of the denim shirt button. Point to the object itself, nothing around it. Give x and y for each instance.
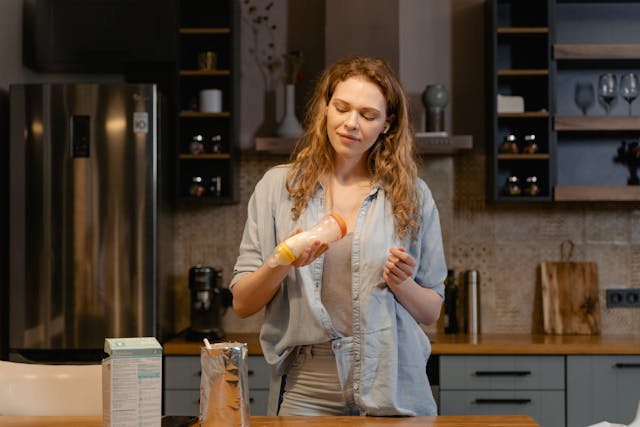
(337, 345)
(356, 386)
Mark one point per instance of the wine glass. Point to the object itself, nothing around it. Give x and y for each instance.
(607, 90)
(584, 96)
(629, 88)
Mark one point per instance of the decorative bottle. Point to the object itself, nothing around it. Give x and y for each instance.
(289, 127)
(450, 304)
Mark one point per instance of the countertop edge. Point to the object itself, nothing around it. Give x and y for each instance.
(459, 344)
(181, 347)
(535, 344)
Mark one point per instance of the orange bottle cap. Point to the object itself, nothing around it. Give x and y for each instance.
(341, 223)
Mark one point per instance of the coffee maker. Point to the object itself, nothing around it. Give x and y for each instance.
(208, 301)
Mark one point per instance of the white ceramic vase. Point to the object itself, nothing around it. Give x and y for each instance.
(289, 127)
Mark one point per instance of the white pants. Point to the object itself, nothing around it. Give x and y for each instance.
(317, 385)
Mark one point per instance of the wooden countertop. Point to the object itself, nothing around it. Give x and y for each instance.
(180, 347)
(535, 344)
(440, 421)
(466, 344)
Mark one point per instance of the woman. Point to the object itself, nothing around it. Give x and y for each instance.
(341, 328)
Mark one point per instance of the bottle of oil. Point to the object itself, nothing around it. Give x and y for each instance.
(450, 303)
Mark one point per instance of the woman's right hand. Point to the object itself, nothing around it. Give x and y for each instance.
(310, 253)
(254, 290)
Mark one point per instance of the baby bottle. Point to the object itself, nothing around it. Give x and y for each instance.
(329, 229)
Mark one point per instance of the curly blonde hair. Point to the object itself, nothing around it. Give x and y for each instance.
(391, 160)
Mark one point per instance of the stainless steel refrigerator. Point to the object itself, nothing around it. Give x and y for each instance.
(89, 218)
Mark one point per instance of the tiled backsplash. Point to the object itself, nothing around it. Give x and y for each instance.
(506, 244)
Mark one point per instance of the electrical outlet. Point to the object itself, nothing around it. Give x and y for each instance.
(623, 298)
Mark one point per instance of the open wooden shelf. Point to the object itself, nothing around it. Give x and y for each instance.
(522, 30)
(223, 30)
(443, 144)
(205, 156)
(570, 193)
(204, 73)
(425, 144)
(536, 156)
(596, 123)
(275, 145)
(540, 50)
(199, 114)
(523, 72)
(525, 115)
(205, 26)
(596, 51)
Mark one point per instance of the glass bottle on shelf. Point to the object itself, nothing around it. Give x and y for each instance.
(513, 186)
(215, 145)
(510, 144)
(450, 303)
(215, 186)
(532, 188)
(197, 189)
(197, 144)
(530, 144)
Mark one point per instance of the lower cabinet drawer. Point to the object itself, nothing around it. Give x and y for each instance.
(545, 406)
(187, 402)
(182, 385)
(508, 372)
(258, 372)
(182, 372)
(258, 401)
(182, 402)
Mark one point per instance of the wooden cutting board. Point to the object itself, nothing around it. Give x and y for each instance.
(570, 298)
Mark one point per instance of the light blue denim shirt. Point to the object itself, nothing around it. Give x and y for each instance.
(390, 349)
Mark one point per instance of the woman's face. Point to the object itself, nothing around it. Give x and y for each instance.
(356, 115)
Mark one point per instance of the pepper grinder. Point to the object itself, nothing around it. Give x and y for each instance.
(473, 303)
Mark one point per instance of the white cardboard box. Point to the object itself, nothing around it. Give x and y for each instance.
(510, 104)
(132, 382)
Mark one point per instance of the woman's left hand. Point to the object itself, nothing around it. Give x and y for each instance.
(423, 303)
(399, 267)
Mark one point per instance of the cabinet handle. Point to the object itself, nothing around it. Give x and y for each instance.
(251, 400)
(197, 374)
(502, 401)
(502, 373)
(250, 372)
(627, 365)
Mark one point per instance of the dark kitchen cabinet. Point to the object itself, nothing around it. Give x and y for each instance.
(551, 53)
(593, 38)
(519, 37)
(207, 152)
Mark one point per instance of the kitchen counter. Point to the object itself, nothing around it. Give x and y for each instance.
(535, 344)
(467, 344)
(181, 347)
(440, 421)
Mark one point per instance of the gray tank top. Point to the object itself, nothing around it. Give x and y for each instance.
(336, 284)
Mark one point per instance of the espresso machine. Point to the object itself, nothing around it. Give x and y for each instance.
(208, 303)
